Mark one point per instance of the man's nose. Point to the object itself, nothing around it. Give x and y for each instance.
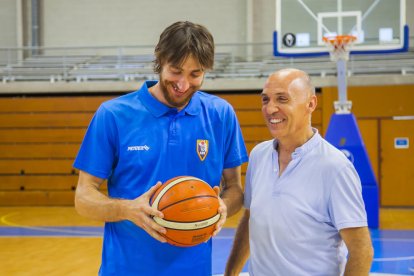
(183, 84)
(272, 108)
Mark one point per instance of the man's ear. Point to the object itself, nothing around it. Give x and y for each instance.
(313, 102)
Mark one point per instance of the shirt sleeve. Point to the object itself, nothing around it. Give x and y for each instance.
(235, 151)
(346, 205)
(99, 150)
(248, 183)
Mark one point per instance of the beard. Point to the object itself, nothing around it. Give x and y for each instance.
(173, 100)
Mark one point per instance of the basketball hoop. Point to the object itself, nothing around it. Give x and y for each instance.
(339, 52)
(339, 46)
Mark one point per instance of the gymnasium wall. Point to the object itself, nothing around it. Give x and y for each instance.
(40, 137)
(375, 108)
(8, 34)
(8, 18)
(128, 22)
(372, 103)
(410, 20)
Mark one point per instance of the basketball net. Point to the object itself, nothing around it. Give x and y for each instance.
(339, 48)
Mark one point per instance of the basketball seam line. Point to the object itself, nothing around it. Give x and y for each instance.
(187, 225)
(182, 200)
(172, 184)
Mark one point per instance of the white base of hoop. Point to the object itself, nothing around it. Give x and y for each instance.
(339, 55)
(342, 107)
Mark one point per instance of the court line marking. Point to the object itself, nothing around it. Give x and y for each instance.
(393, 240)
(4, 220)
(392, 259)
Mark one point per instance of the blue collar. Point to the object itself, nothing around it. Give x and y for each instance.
(158, 109)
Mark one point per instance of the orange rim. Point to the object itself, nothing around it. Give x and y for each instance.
(339, 39)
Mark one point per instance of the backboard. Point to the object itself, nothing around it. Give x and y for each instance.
(379, 25)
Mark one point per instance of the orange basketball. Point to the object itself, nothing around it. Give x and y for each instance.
(190, 208)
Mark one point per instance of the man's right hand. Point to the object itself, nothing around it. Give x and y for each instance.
(141, 213)
(93, 204)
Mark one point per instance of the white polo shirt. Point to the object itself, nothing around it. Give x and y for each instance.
(295, 218)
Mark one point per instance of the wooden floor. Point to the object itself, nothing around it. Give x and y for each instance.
(48, 255)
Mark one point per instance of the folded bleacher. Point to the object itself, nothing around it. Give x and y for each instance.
(83, 68)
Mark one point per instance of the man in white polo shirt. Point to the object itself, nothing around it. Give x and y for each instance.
(304, 209)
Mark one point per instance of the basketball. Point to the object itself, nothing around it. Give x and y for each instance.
(190, 208)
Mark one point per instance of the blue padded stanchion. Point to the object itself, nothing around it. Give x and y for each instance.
(344, 134)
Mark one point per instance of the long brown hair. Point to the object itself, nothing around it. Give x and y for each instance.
(182, 39)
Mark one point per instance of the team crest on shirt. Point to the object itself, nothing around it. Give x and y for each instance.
(202, 149)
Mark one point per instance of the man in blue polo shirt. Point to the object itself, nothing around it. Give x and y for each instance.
(165, 129)
(304, 209)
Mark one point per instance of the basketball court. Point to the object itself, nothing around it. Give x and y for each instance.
(57, 241)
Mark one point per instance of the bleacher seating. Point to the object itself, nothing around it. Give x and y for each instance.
(96, 67)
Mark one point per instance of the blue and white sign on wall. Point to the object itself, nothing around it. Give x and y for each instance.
(401, 143)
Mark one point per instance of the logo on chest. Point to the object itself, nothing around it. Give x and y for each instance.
(138, 148)
(202, 149)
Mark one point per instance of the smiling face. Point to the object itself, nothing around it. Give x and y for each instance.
(178, 83)
(288, 101)
(183, 53)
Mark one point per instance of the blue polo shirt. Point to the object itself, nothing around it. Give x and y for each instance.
(135, 141)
